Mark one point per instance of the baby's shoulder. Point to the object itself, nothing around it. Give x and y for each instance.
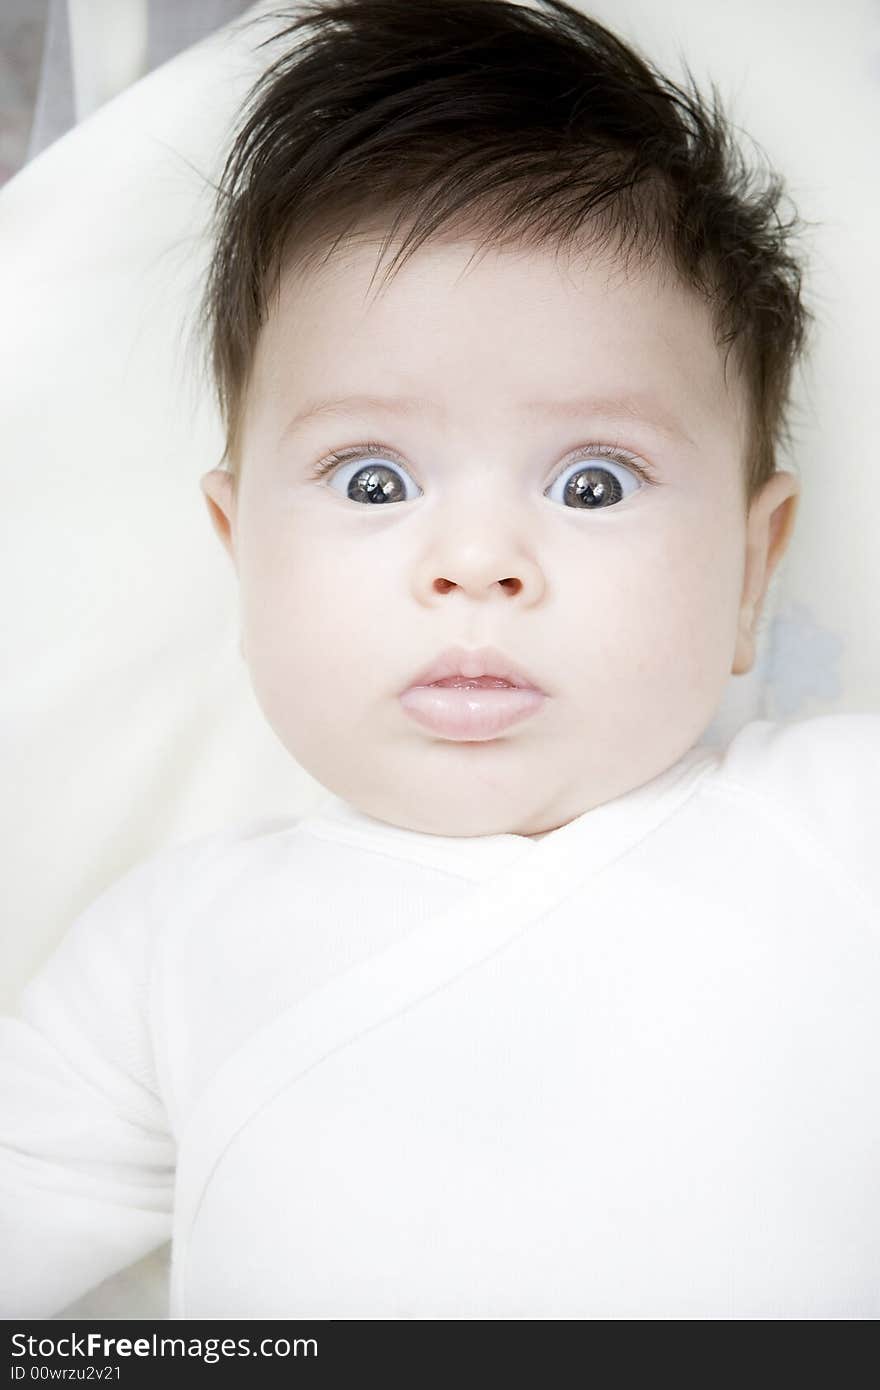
(129, 913)
(818, 778)
(831, 758)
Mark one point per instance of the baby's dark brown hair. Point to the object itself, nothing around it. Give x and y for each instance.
(515, 125)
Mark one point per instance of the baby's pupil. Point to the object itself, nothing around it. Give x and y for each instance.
(585, 489)
(376, 484)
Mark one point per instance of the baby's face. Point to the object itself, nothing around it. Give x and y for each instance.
(625, 612)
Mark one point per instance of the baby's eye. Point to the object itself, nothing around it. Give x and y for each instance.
(365, 475)
(594, 482)
(372, 473)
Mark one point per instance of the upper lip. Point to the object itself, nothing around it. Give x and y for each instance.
(472, 663)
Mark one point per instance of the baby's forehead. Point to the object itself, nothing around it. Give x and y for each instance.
(383, 267)
(489, 326)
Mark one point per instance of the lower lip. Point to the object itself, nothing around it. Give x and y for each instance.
(469, 713)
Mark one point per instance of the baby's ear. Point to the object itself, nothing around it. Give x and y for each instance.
(219, 489)
(769, 530)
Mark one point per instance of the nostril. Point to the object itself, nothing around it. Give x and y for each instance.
(442, 586)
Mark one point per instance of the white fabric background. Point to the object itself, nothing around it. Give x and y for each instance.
(86, 60)
(128, 719)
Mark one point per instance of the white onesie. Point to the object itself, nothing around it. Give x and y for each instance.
(629, 1070)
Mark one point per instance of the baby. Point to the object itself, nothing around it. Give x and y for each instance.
(555, 1011)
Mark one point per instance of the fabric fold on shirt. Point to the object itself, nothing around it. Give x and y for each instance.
(511, 898)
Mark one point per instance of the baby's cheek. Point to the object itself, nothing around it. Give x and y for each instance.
(691, 601)
(308, 631)
(657, 618)
(291, 580)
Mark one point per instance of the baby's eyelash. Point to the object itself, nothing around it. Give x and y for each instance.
(372, 448)
(355, 451)
(617, 455)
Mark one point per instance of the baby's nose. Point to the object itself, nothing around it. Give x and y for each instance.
(485, 551)
(511, 585)
(481, 572)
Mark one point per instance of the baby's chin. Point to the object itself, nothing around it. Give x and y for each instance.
(459, 814)
(488, 790)
(523, 787)
(491, 795)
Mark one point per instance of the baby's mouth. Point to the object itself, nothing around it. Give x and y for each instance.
(470, 709)
(473, 683)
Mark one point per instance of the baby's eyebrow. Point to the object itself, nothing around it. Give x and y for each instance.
(641, 408)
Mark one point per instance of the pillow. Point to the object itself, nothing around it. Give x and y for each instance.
(130, 721)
